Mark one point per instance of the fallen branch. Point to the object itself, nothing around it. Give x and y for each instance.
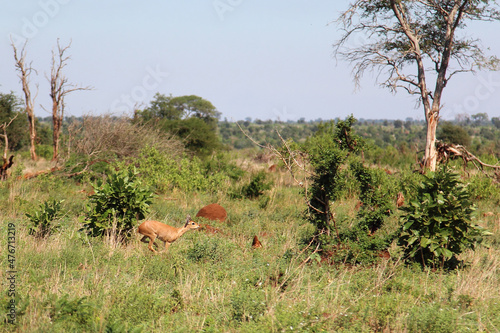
(450, 151)
(31, 175)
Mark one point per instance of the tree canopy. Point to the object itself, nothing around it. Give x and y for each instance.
(191, 118)
(181, 107)
(416, 46)
(10, 107)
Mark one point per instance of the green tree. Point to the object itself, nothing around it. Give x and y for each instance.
(454, 134)
(480, 118)
(10, 107)
(496, 122)
(411, 43)
(181, 107)
(161, 107)
(194, 106)
(191, 118)
(197, 136)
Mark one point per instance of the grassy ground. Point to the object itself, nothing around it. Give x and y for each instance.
(219, 283)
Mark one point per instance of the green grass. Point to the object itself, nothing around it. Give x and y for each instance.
(218, 283)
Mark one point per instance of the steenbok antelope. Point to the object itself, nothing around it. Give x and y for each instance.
(164, 232)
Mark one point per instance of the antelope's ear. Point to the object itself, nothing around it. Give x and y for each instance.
(188, 219)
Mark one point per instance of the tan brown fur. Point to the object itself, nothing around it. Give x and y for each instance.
(164, 232)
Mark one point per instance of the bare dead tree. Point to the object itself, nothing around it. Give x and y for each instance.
(59, 89)
(7, 163)
(3, 127)
(25, 71)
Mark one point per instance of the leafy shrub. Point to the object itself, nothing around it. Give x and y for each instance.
(437, 222)
(192, 176)
(328, 152)
(157, 170)
(254, 189)
(360, 247)
(376, 193)
(361, 243)
(219, 164)
(42, 220)
(197, 135)
(454, 134)
(117, 205)
(161, 172)
(257, 186)
(44, 151)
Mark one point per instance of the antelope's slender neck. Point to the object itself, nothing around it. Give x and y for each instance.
(181, 231)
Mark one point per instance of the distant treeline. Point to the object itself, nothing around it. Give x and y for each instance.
(480, 136)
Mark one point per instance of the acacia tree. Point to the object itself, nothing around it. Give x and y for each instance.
(190, 118)
(59, 89)
(25, 71)
(416, 45)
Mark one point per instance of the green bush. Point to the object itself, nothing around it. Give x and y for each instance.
(254, 189)
(328, 151)
(436, 224)
(162, 173)
(257, 186)
(42, 220)
(455, 134)
(116, 205)
(44, 151)
(376, 193)
(219, 163)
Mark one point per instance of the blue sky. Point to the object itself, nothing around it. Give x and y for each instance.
(258, 59)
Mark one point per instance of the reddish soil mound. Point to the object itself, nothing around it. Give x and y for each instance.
(256, 243)
(214, 212)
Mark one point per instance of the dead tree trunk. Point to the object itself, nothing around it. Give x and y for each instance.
(24, 75)
(5, 166)
(3, 127)
(59, 88)
(6, 163)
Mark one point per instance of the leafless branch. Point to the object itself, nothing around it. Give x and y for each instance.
(24, 76)
(59, 89)
(3, 127)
